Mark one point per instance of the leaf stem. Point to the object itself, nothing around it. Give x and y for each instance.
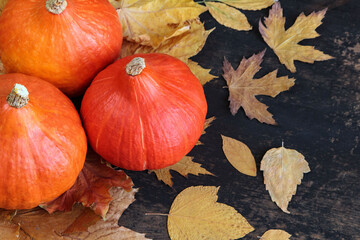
(156, 214)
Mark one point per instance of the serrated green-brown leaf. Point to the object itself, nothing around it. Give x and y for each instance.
(195, 214)
(285, 43)
(275, 234)
(228, 16)
(283, 171)
(249, 4)
(243, 88)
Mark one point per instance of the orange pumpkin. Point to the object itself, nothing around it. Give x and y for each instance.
(65, 42)
(144, 111)
(43, 143)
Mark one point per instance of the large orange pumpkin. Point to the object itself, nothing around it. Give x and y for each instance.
(65, 42)
(43, 143)
(144, 111)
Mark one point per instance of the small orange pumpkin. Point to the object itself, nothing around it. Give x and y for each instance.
(43, 143)
(65, 42)
(144, 111)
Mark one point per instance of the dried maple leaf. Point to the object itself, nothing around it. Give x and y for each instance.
(195, 214)
(249, 4)
(151, 22)
(228, 16)
(207, 124)
(201, 73)
(243, 88)
(185, 166)
(91, 187)
(275, 234)
(239, 155)
(283, 170)
(285, 43)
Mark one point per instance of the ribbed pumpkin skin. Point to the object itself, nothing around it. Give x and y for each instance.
(43, 144)
(148, 121)
(68, 49)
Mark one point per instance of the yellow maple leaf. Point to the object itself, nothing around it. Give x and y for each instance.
(201, 73)
(150, 22)
(243, 88)
(249, 4)
(285, 43)
(195, 214)
(228, 16)
(207, 124)
(275, 234)
(185, 166)
(283, 170)
(239, 155)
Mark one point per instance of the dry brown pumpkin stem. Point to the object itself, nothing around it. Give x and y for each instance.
(135, 66)
(56, 6)
(18, 97)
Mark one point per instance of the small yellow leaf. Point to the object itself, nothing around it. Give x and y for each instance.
(285, 43)
(228, 16)
(283, 170)
(275, 234)
(202, 74)
(239, 155)
(249, 4)
(150, 22)
(195, 214)
(185, 166)
(207, 124)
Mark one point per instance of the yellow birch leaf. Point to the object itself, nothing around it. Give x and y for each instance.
(185, 166)
(228, 16)
(275, 234)
(285, 43)
(149, 22)
(249, 4)
(201, 73)
(243, 88)
(207, 124)
(239, 155)
(283, 171)
(195, 215)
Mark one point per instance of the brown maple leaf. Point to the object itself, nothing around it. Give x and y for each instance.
(285, 43)
(243, 88)
(91, 187)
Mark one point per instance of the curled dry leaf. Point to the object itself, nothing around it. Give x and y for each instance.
(283, 171)
(243, 88)
(151, 22)
(91, 187)
(185, 166)
(195, 214)
(228, 16)
(239, 155)
(285, 43)
(275, 234)
(249, 4)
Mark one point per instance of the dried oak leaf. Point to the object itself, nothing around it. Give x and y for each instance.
(228, 16)
(283, 170)
(151, 22)
(91, 187)
(195, 214)
(239, 155)
(243, 88)
(185, 166)
(275, 234)
(285, 43)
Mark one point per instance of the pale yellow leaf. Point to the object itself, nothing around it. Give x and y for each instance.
(185, 166)
(249, 4)
(283, 171)
(201, 73)
(239, 155)
(275, 234)
(228, 16)
(207, 124)
(149, 22)
(196, 215)
(243, 88)
(285, 43)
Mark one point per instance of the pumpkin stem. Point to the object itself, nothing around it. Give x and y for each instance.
(18, 97)
(135, 66)
(56, 6)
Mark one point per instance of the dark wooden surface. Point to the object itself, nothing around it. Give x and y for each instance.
(319, 117)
